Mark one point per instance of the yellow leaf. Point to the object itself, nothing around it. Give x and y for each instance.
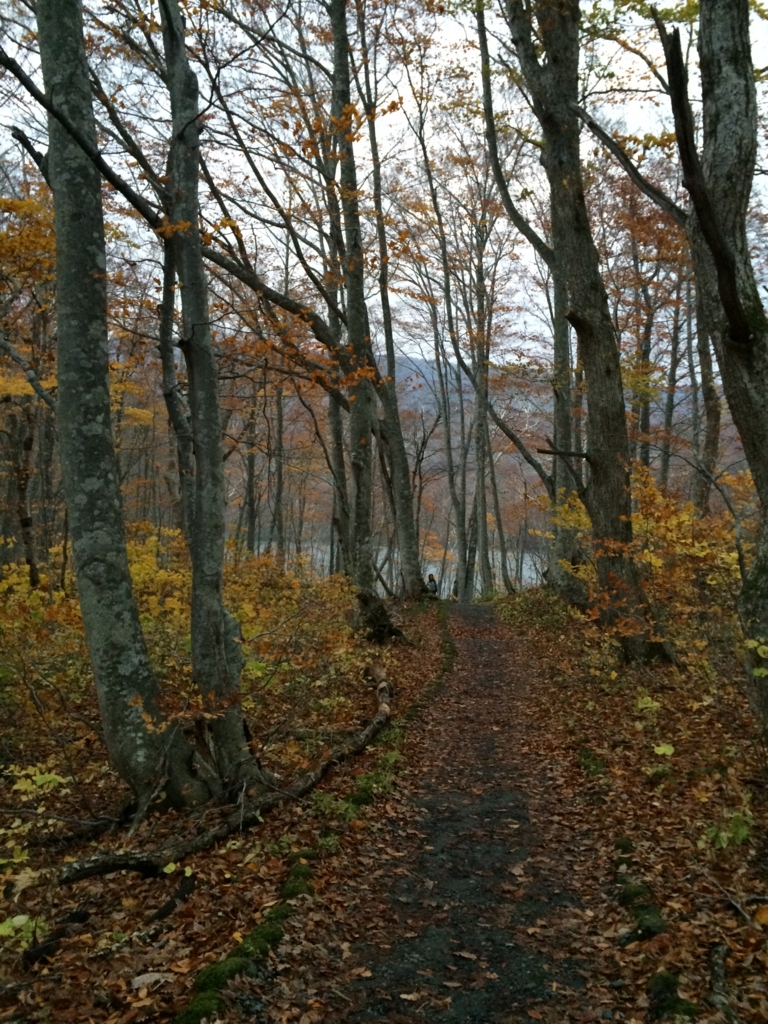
(761, 917)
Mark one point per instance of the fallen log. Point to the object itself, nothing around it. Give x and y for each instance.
(151, 862)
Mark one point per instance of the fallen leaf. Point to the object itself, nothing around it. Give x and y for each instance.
(143, 982)
(182, 966)
(762, 915)
(465, 954)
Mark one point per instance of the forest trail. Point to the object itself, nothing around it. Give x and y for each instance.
(482, 873)
(446, 903)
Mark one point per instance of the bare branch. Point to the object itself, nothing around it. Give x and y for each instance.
(30, 373)
(646, 187)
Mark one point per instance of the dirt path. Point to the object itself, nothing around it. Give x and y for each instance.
(440, 922)
(472, 885)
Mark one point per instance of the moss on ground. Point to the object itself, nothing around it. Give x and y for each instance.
(664, 1001)
(632, 892)
(591, 763)
(624, 844)
(255, 946)
(648, 923)
(214, 977)
(299, 870)
(295, 887)
(300, 855)
(280, 912)
(202, 1006)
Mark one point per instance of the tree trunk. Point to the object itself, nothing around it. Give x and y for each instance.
(457, 504)
(23, 449)
(278, 510)
(720, 186)
(362, 394)
(407, 534)
(216, 654)
(483, 554)
(702, 485)
(669, 404)
(340, 489)
(504, 564)
(468, 592)
(554, 90)
(125, 683)
(250, 481)
(178, 413)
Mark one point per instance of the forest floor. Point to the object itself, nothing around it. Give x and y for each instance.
(531, 846)
(463, 871)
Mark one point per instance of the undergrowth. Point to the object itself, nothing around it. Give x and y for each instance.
(662, 760)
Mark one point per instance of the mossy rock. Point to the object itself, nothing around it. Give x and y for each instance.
(214, 977)
(299, 871)
(294, 887)
(624, 844)
(664, 1003)
(648, 923)
(204, 1005)
(632, 892)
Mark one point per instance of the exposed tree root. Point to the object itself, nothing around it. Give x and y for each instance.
(151, 862)
(717, 996)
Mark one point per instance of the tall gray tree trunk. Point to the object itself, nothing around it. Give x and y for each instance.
(362, 394)
(702, 484)
(458, 504)
(278, 505)
(503, 556)
(250, 481)
(563, 552)
(23, 445)
(481, 459)
(178, 413)
(125, 683)
(405, 521)
(669, 402)
(720, 185)
(553, 86)
(216, 654)
(340, 487)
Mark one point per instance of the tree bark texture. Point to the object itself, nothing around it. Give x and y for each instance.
(178, 413)
(720, 184)
(407, 534)
(362, 393)
(553, 87)
(22, 424)
(125, 683)
(216, 655)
